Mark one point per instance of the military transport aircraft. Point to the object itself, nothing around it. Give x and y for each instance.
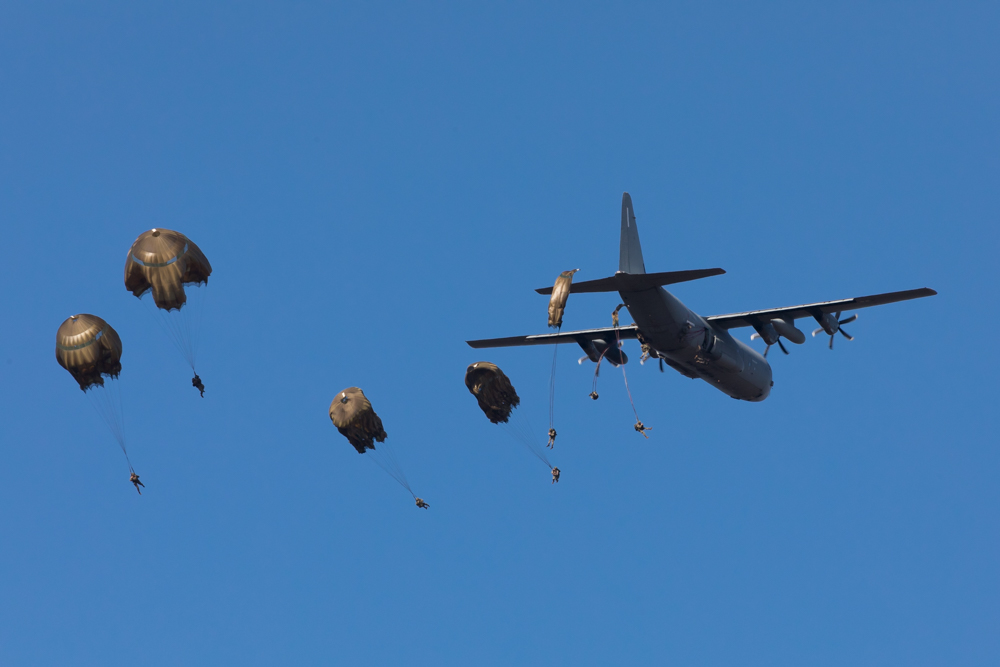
(695, 346)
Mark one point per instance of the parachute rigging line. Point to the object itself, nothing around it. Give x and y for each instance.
(107, 402)
(181, 326)
(597, 372)
(552, 384)
(519, 428)
(384, 456)
(639, 426)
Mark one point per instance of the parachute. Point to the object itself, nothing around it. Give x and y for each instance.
(497, 399)
(163, 262)
(557, 302)
(351, 412)
(91, 350)
(493, 391)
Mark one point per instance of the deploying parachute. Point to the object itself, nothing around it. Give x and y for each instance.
(492, 389)
(351, 412)
(91, 350)
(497, 399)
(163, 262)
(557, 302)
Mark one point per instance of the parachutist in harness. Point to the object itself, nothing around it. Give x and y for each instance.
(197, 384)
(646, 352)
(614, 315)
(552, 438)
(641, 428)
(135, 482)
(555, 475)
(593, 395)
(421, 504)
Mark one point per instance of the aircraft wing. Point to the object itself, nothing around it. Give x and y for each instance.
(812, 309)
(606, 334)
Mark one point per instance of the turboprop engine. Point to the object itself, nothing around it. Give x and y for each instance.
(774, 330)
(830, 323)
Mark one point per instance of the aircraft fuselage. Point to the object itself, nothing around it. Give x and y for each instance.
(693, 347)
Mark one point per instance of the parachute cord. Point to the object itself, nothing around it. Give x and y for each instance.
(597, 371)
(384, 456)
(552, 386)
(639, 426)
(519, 428)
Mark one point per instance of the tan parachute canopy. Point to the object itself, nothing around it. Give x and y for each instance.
(560, 293)
(88, 348)
(164, 261)
(352, 414)
(492, 389)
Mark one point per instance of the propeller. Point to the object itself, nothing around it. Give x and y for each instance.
(840, 322)
(768, 348)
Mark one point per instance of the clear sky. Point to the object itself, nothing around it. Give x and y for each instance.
(374, 187)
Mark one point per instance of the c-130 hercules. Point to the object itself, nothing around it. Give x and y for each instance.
(695, 346)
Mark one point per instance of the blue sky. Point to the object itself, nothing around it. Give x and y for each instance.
(374, 186)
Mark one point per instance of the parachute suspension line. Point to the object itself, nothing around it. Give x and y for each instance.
(384, 457)
(107, 402)
(639, 426)
(168, 323)
(552, 399)
(519, 428)
(198, 318)
(597, 372)
(183, 325)
(552, 387)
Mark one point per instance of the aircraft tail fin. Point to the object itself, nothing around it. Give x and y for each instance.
(630, 252)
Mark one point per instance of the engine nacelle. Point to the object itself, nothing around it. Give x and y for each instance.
(787, 329)
(767, 332)
(828, 321)
(598, 347)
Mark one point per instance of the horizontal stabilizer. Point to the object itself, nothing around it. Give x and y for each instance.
(608, 334)
(631, 282)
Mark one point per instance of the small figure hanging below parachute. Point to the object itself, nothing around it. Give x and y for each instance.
(134, 478)
(91, 350)
(163, 262)
(352, 413)
(497, 399)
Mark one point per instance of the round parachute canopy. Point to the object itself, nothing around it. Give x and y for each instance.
(352, 414)
(163, 261)
(89, 349)
(560, 293)
(492, 389)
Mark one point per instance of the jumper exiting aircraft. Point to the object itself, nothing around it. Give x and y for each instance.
(695, 346)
